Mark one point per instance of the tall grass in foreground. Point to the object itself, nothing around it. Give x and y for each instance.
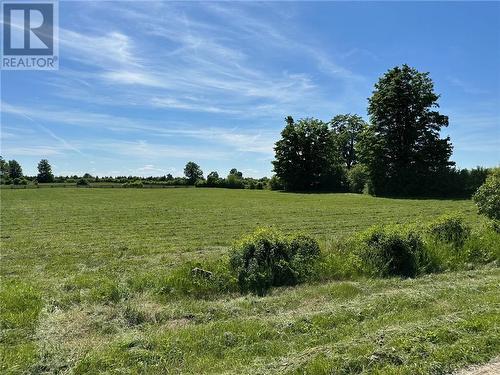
(20, 307)
(380, 251)
(261, 261)
(430, 325)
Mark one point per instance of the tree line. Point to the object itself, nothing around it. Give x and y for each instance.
(11, 173)
(398, 153)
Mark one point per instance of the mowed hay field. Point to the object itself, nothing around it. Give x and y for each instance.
(80, 292)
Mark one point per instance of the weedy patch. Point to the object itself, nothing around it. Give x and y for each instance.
(450, 229)
(268, 258)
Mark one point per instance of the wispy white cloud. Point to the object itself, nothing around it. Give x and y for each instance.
(69, 117)
(466, 87)
(129, 77)
(240, 140)
(211, 62)
(32, 150)
(107, 49)
(154, 151)
(23, 113)
(192, 104)
(149, 168)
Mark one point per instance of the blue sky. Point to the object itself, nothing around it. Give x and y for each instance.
(144, 87)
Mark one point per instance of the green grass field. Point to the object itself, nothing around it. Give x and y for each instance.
(80, 269)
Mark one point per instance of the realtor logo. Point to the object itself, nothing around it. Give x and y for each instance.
(30, 35)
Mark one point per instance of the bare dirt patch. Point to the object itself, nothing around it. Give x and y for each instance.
(491, 368)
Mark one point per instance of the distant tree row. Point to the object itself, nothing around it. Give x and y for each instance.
(12, 173)
(234, 179)
(399, 153)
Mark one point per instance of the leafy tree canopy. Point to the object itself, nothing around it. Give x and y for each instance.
(347, 129)
(305, 156)
(45, 172)
(4, 168)
(193, 172)
(236, 173)
(15, 170)
(402, 147)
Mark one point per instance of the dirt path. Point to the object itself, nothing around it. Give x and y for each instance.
(491, 368)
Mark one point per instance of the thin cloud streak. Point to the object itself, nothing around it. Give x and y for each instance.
(209, 63)
(250, 140)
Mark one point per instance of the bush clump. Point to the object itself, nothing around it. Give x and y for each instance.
(357, 178)
(275, 183)
(487, 198)
(392, 251)
(268, 258)
(450, 229)
(82, 182)
(201, 183)
(234, 182)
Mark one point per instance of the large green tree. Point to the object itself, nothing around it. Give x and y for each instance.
(4, 169)
(347, 130)
(15, 170)
(305, 156)
(193, 172)
(213, 179)
(45, 171)
(236, 173)
(402, 147)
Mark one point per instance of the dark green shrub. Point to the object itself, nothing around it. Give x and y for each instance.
(487, 198)
(305, 251)
(357, 178)
(275, 183)
(450, 229)
(267, 258)
(234, 182)
(392, 251)
(482, 246)
(16, 181)
(137, 184)
(213, 180)
(200, 183)
(259, 185)
(82, 182)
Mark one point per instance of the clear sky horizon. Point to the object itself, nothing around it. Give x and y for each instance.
(144, 87)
